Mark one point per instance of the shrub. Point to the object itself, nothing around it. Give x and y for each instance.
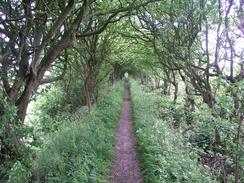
(164, 155)
(50, 107)
(14, 166)
(81, 150)
(19, 173)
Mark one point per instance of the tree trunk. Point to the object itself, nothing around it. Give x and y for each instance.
(175, 92)
(166, 86)
(208, 98)
(23, 101)
(1, 110)
(87, 94)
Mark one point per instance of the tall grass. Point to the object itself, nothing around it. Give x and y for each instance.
(164, 156)
(82, 149)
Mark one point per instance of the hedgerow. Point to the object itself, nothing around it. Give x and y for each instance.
(164, 156)
(81, 150)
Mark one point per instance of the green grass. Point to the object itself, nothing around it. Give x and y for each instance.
(164, 156)
(82, 149)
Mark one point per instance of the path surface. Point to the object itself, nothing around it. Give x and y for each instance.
(126, 168)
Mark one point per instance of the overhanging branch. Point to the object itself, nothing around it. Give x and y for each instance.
(112, 14)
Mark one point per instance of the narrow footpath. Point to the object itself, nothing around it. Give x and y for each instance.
(126, 168)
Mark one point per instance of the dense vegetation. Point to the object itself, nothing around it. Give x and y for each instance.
(60, 67)
(164, 155)
(82, 149)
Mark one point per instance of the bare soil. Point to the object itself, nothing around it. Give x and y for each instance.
(126, 167)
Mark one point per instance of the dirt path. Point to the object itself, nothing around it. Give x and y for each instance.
(126, 168)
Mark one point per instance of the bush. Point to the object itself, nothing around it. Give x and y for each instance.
(19, 173)
(81, 150)
(52, 102)
(14, 166)
(164, 155)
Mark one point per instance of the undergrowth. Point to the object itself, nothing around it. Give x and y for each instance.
(81, 150)
(164, 155)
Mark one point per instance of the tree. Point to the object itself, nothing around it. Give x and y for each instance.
(92, 62)
(181, 34)
(32, 42)
(35, 33)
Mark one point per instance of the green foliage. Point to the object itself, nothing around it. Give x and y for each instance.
(134, 55)
(169, 41)
(165, 156)
(74, 94)
(81, 150)
(225, 148)
(19, 173)
(49, 107)
(10, 111)
(12, 169)
(52, 102)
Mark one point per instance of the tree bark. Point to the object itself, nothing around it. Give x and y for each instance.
(88, 99)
